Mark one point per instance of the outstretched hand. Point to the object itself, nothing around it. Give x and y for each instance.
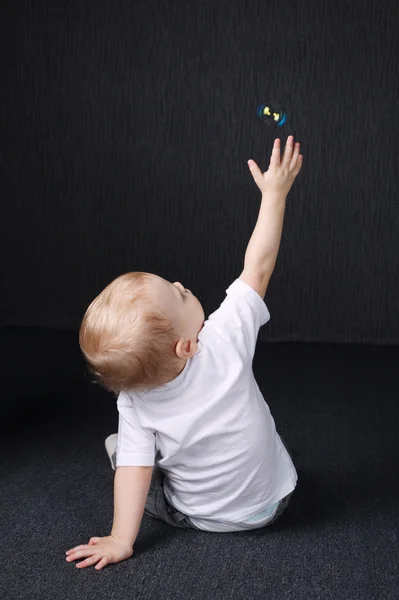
(100, 551)
(280, 176)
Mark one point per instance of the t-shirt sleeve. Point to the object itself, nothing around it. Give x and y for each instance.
(239, 318)
(136, 445)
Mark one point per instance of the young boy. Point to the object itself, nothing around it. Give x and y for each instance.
(196, 446)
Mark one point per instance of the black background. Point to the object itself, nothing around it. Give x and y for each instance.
(127, 127)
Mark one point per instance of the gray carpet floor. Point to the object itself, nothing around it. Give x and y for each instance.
(337, 408)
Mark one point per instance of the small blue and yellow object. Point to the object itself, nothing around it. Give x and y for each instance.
(272, 113)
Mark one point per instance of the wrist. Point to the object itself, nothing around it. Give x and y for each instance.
(273, 197)
(123, 539)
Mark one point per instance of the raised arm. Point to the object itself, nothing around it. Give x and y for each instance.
(263, 247)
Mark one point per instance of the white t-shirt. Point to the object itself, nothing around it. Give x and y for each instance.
(210, 429)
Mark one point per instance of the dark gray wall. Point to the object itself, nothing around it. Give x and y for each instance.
(127, 130)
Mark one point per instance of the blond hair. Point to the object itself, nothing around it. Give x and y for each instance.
(128, 344)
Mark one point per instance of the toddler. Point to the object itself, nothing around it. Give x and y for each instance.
(196, 445)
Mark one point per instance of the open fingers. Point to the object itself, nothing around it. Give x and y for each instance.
(275, 157)
(103, 562)
(90, 561)
(286, 160)
(295, 156)
(93, 557)
(77, 548)
(81, 552)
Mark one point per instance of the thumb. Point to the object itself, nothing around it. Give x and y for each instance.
(93, 541)
(256, 173)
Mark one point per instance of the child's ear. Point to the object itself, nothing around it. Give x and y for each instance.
(193, 347)
(186, 349)
(181, 349)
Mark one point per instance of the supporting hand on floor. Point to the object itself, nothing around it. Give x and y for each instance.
(101, 550)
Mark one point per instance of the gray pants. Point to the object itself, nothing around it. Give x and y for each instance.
(159, 508)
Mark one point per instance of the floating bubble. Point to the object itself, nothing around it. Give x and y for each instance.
(272, 113)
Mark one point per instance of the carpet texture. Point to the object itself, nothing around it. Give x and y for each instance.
(337, 409)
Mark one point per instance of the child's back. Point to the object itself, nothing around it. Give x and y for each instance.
(210, 428)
